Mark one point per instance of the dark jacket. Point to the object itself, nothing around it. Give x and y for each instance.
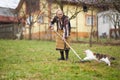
(65, 25)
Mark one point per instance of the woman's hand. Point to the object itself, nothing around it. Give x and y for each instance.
(51, 28)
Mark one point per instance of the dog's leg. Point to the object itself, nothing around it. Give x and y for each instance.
(106, 60)
(86, 59)
(83, 60)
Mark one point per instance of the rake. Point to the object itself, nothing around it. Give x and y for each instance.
(68, 45)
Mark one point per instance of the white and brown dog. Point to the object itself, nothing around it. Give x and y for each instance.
(98, 57)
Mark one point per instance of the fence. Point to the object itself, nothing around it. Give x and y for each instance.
(9, 31)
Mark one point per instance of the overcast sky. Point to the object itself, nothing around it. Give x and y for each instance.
(9, 3)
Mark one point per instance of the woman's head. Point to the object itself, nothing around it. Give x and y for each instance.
(59, 13)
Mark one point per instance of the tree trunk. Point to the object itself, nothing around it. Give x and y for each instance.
(30, 34)
(90, 41)
(91, 36)
(119, 29)
(116, 37)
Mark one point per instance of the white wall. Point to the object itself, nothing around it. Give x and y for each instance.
(105, 23)
(103, 27)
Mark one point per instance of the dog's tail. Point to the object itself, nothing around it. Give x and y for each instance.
(112, 58)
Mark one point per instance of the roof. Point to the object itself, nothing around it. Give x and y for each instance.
(110, 12)
(95, 3)
(8, 15)
(9, 3)
(7, 12)
(100, 4)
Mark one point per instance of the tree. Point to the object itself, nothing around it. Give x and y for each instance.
(61, 4)
(33, 7)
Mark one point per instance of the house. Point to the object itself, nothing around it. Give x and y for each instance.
(107, 21)
(8, 23)
(40, 13)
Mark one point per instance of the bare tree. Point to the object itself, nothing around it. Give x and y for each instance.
(61, 4)
(34, 11)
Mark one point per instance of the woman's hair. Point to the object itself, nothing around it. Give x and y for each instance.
(58, 11)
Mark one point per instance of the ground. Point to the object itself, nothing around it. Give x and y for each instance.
(37, 60)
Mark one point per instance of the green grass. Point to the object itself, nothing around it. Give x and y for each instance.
(37, 60)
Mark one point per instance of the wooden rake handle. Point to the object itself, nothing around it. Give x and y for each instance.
(68, 45)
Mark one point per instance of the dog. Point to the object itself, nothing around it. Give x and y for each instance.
(98, 57)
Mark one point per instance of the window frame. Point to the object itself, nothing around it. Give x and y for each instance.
(89, 23)
(41, 19)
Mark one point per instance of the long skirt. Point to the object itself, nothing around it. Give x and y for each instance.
(60, 44)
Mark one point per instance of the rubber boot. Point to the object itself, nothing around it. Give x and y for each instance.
(67, 54)
(62, 55)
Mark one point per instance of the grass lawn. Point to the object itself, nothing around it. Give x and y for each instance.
(37, 60)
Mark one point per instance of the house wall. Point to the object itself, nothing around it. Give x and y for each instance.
(106, 21)
(103, 27)
(22, 10)
(79, 27)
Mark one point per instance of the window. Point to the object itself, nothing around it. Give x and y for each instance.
(41, 19)
(105, 19)
(29, 20)
(88, 20)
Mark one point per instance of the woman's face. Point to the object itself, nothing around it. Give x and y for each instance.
(59, 14)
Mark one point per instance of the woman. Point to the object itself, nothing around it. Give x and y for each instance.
(63, 28)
